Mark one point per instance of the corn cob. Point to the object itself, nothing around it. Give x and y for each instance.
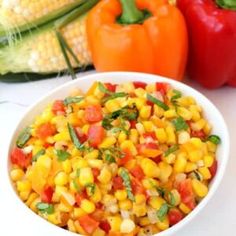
(20, 15)
(40, 50)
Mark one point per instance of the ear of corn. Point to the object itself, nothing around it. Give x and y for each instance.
(21, 15)
(40, 51)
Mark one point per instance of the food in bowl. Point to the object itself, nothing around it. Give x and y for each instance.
(127, 159)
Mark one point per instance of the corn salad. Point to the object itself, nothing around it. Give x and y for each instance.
(128, 159)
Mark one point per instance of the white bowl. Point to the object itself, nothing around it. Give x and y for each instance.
(211, 113)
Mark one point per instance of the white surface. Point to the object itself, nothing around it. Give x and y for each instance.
(217, 218)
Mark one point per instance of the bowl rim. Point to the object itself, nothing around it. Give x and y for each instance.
(131, 76)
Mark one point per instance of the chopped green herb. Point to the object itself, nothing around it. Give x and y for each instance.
(161, 191)
(114, 96)
(214, 139)
(172, 149)
(177, 94)
(45, 207)
(91, 188)
(157, 102)
(103, 89)
(77, 187)
(109, 158)
(71, 100)
(127, 183)
(38, 154)
(23, 138)
(162, 212)
(74, 137)
(62, 155)
(180, 124)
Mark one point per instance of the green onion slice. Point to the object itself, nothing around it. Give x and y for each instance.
(157, 102)
(23, 138)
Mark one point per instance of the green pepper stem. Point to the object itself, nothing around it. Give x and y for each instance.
(130, 13)
(227, 4)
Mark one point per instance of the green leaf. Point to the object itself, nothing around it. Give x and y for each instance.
(157, 102)
(38, 154)
(127, 183)
(74, 138)
(180, 124)
(227, 4)
(71, 100)
(162, 212)
(214, 139)
(91, 188)
(62, 155)
(172, 149)
(23, 138)
(45, 207)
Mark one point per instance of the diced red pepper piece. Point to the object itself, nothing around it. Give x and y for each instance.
(150, 135)
(81, 136)
(137, 172)
(133, 124)
(186, 192)
(18, 157)
(213, 169)
(162, 88)
(80, 196)
(96, 134)
(127, 157)
(58, 107)
(46, 195)
(175, 216)
(137, 187)
(96, 173)
(104, 225)
(45, 130)
(117, 183)
(88, 223)
(139, 84)
(93, 113)
(198, 134)
(111, 87)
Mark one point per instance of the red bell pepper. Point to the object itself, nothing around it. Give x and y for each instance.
(212, 33)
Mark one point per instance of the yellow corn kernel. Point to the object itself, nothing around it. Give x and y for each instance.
(23, 185)
(72, 118)
(197, 142)
(95, 163)
(66, 166)
(108, 142)
(204, 171)
(211, 146)
(16, 174)
(33, 205)
(92, 155)
(61, 179)
(24, 195)
(62, 136)
(127, 226)
(85, 128)
(140, 198)
(121, 195)
(158, 111)
(195, 155)
(156, 202)
(150, 168)
(184, 208)
(77, 212)
(148, 183)
(184, 113)
(199, 188)
(54, 218)
(140, 92)
(122, 137)
(86, 176)
(161, 135)
(92, 100)
(139, 102)
(133, 137)
(125, 204)
(144, 221)
(208, 160)
(171, 113)
(128, 87)
(196, 126)
(112, 105)
(180, 163)
(79, 163)
(31, 198)
(87, 206)
(183, 137)
(145, 112)
(150, 88)
(171, 137)
(190, 166)
(97, 196)
(75, 152)
(170, 159)
(148, 126)
(71, 226)
(186, 101)
(162, 225)
(140, 128)
(99, 232)
(115, 222)
(207, 128)
(63, 207)
(105, 175)
(165, 171)
(128, 145)
(140, 209)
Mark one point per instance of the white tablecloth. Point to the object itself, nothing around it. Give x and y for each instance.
(217, 219)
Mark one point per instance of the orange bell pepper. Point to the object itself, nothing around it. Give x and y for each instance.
(142, 36)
